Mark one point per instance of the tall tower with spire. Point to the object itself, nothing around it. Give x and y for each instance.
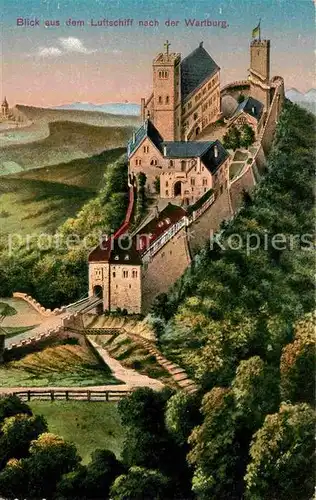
(259, 71)
(166, 107)
(5, 108)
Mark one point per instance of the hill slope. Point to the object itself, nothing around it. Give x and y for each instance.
(66, 141)
(75, 115)
(40, 200)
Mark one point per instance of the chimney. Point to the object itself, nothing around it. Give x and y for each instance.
(253, 109)
(164, 150)
(201, 45)
(215, 151)
(134, 137)
(156, 211)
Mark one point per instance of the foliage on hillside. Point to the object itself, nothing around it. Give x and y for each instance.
(239, 302)
(60, 365)
(58, 275)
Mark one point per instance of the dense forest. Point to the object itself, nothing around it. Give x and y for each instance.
(241, 322)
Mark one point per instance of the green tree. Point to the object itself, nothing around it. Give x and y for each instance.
(5, 311)
(12, 405)
(256, 391)
(93, 481)
(14, 480)
(232, 138)
(50, 458)
(247, 136)
(298, 363)
(140, 484)
(148, 442)
(157, 184)
(240, 98)
(17, 432)
(283, 456)
(182, 415)
(214, 453)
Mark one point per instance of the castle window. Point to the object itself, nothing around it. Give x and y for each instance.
(160, 99)
(167, 192)
(189, 105)
(146, 149)
(167, 221)
(205, 189)
(134, 273)
(166, 183)
(113, 274)
(154, 162)
(204, 182)
(221, 189)
(195, 116)
(125, 274)
(126, 257)
(138, 161)
(192, 181)
(183, 165)
(209, 86)
(116, 257)
(129, 286)
(167, 99)
(171, 164)
(163, 74)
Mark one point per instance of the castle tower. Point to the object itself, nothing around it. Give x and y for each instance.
(5, 108)
(166, 108)
(259, 71)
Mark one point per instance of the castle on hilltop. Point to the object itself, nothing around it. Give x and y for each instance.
(188, 175)
(186, 94)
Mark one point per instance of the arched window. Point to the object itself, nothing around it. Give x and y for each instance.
(134, 273)
(171, 164)
(138, 161)
(183, 165)
(195, 116)
(160, 99)
(167, 99)
(125, 273)
(154, 162)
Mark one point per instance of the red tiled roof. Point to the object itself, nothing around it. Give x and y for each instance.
(158, 225)
(102, 252)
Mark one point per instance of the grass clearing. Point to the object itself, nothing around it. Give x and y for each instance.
(88, 425)
(133, 355)
(63, 365)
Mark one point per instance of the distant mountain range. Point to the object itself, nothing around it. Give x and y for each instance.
(114, 108)
(307, 100)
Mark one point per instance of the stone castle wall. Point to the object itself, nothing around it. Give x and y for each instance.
(166, 266)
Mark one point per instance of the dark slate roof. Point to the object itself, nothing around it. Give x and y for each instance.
(182, 149)
(209, 159)
(195, 68)
(110, 251)
(158, 225)
(125, 252)
(247, 106)
(149, 130)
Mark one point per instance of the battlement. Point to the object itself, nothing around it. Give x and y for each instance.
(167, 59)
(260, 43)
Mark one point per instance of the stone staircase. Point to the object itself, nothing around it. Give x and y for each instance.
(178, 374)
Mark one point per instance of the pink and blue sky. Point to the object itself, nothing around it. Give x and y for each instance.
(47, 66)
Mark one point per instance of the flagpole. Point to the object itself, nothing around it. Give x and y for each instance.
(260, 30)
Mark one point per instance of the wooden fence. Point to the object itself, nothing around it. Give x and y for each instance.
(70, 395)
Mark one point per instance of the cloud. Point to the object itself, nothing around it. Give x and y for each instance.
(72, 44)
(49, 52)
(67, 45)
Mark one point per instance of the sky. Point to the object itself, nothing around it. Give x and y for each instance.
(52, 65)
